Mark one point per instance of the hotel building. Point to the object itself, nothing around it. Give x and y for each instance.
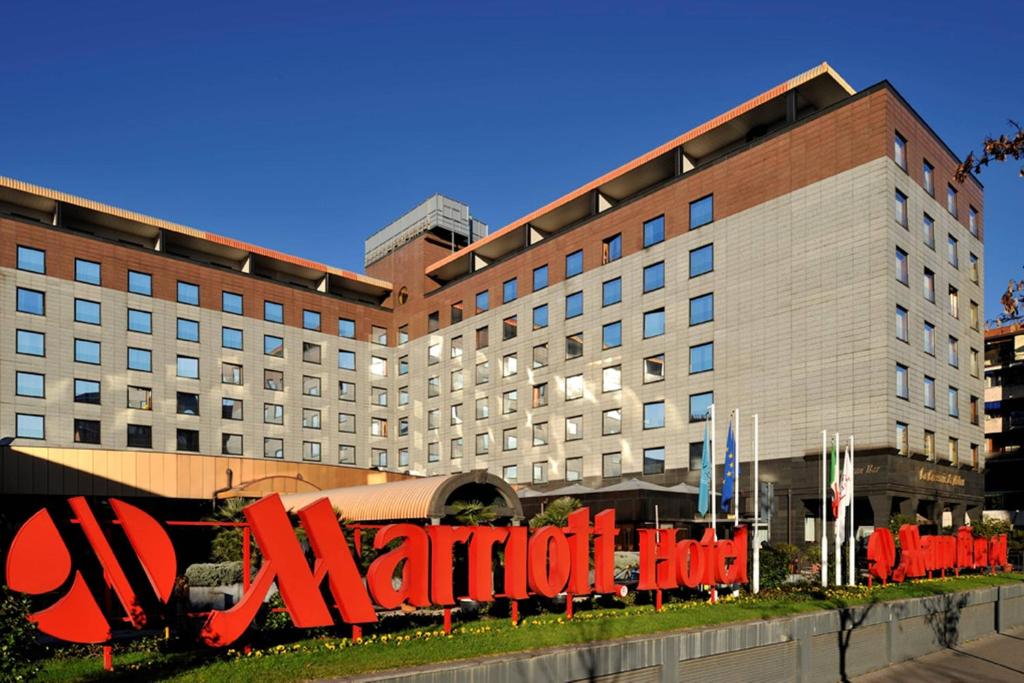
(806, 257)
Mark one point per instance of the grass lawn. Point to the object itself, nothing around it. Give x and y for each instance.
(335, 656)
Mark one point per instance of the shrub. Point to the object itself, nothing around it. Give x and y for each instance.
(18, 645)
(556, 513)
(208, 575)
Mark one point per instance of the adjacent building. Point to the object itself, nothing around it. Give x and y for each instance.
(1004, 419)
(806, 257)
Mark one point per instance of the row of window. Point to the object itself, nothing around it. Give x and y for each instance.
(928, 181)
(928, 289)
(953, 394)
(928, 237)
(928, 341)
(928, 446)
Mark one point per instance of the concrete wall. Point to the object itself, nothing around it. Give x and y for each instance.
(814, 647)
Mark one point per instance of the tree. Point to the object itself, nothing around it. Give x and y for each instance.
(994, 149)
(473, 512)
(556, 513)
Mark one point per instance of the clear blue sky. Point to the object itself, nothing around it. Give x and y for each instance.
(306, 126)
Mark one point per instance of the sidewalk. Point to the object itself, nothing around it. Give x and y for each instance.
(993, 659)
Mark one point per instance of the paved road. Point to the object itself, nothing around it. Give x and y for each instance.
(994, 659)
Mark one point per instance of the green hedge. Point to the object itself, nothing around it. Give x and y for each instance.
(214, 574)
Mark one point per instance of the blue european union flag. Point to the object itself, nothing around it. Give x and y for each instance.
(729, 481)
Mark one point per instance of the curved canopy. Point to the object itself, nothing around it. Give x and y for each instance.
(419, 498)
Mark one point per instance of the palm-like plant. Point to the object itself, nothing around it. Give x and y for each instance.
(473, 512)
(556, 513)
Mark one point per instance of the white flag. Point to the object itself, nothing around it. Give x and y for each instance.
(845, 482)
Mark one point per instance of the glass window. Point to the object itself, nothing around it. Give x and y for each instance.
(379, 335)
(87, 431)
(540, 472)
(574, 428)
(954, 352)
(188, 330)
(654, 460)
(140, 398)
(347, 423)
(273, 312)
(611, 249)
(403, 365)
(273, 346)
(231, 338)
(902, 324)
(702, 260)
(540, 278)
(455, 414)
(230, 373)
(929, 338)
(654, 368)
(654, 323)
(654, 231)
(611, 465)
(508, 291)
(403, 457)
(379, 396)
(87, 391)
(403, 331)
(902, 272)
(30, 343)
(928, 231)
(972, 221)
(32, 260)
(573, 387)
(456, 448)
(188, 293)
(273, 448)
(231, 302)
(379, 457)
(700, 405)
(611, 378)
(654, 277)
(952, 252)
(188, 440)
(378, 366)
(87, 271)
(928, 172)
(902, 439)
(696, 455)
(346, 328)
(188, 404)
(29, 384)
(32, 302)
(483, 408)
(702, 358)
(654, 415)
(611, 335)
(482, 337)
(346, 391)
(188, 367)
(954, 451)
(457, 380)
(312, 386)
(273, 380)
(574, 264)
(900, 151)
(483, 443)
(540, 317)
(455, 348)
(483, 372)
(231, 444)
(403, 396)
(701, 211)
(902, 381)
(929, 285)
(574, 346)
(273, 413)
(140, 321)
(140, 359)
(974, 269)
(311, 320)
(573, 469)
(540, 356)
(954, 302)
(901, 208)
(346, 454)
(611, 292)
(540, 434)
(702, 309)
(434, 385)
(510, 441)
(929, 392)
(140, 436)
(509, 327)
(87, 351)
(974, 362)
(929, 444)
(140, 283)
(951, 200)
(483, 301)
(311, 419)
(311, 353)
(573, 305)
(29, 426)
(509, 365)
(611, 422)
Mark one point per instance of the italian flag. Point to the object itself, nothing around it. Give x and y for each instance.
(833, 477)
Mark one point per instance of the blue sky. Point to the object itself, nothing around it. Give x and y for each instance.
(306, 126)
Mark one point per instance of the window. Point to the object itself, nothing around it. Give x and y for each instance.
(573, 305)
(901, 208)
(87, 391)
(929, 392)
(457, 381)
(188, 367)
(654, 460)
(540, 278)
(654, 231)
(29, 384)
(611, 292)
(540, 317)
(929, 285)
(433, 387)
(311, 387)
(403, 365)
(975, 453)
(87, 431)
(273, 380)
(34, 302)
(140, 436)
(311, 353)
(140, 283)
(379, 457)
(573, 387)
(902, 439)
(510, 402)
(700, 405)
(509, 327)
(433, 452)
(455, 314)
(540, 472)
(482, 337)
(231, 338)
(311, 320)
(508, 291)
(954, 402)
(346, 454)
(346, 423)
(140, 398)
(379, 396)
(973, 402)
(540, 434)
(952, 252)
(654, 415)
(32, 260)
(378, 366)
(433, 321)
(273, 312)
(902, 382)
(187, 404)
(574, 264)
(231, 444)
(403, 396)
(573, 469)
(974, 362)
(954, 352)
(188, 293)
(433, 354)
(456, 448)
(482, 301)
(973, 269)
(654, 323)
(611, 249)
(702, 358)
(509, 365)
(902, 266)
(951, 200)
(702, 309)
(954, 302)
(231, 409)
(30, 343)
(483, 408)
(654, 368)
(611, 465)
(929, 338)
(346, 328)
(972, 221)
(231, 303)
(346, 360)
(455, 414)
(611, 378)
(89, 272)
(187, 330)
(975, 316)
(696, 455)
(701, 212)
(140, 321)
(273, 414)
(702, 260)
(455, 347)
(654, 277)
(928, 172)
(611, 335)
(928, 231)
(188, 440)
(29, 426)
(87, 352)
(403, 331)
(929, 444)
(378, 335)
(483, 372)
(540, 356)
(509, 440)
(311, 420)
(902, 324)
(274, 448)
(346, 391)
(483, 443)
(900, 151)
(954, 451)
(611, 422)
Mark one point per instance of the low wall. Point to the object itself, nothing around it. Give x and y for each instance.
(823, 646)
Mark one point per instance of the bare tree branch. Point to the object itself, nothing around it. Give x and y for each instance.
(993, 149)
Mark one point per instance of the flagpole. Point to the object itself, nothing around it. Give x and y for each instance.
(736, 474)
(824, 510)
(853, 527)
(714, 502)
(838, 531)
(757, 514)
